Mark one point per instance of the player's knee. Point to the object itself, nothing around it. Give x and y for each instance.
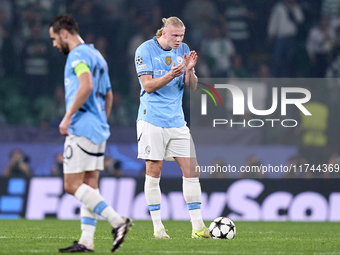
(71, 188)
(153, 168)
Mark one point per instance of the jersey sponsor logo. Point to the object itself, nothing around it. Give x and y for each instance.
(168, 60)
(139, 60)
(141, 67)
(77, 53)
(179, 59)
(158, 72)
(159, 60)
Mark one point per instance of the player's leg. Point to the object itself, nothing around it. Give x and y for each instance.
(81, 155)
(151, 148)
(181, 147)
(153, 195)
(88, 217)
(95, 203)
(193, 196)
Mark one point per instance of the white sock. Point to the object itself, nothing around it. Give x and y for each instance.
(153, 198)
(193, 197)
(88, 226)
(95, 202)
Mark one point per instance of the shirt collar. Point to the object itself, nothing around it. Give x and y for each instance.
(157, 43)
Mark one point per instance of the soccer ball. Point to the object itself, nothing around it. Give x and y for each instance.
(222, 228)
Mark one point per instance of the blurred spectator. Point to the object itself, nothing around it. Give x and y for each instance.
(263, 71)
(320, 45)
(26, 15)
(146, 32)
(333, 166)
(87, 13)
(283, 28)
(252, 168)
(89, 37)
(335, 25)
(217, 52)
(237, 69)
(335, 22)
(200, 15)
(219, 173)
(57, 167)
(18, 165)
(237, 16)
(333, 70)
(298, 166)
(7, 61)
(121, 114)
(101, 44)
(50, 111)
(329, 8)
(112, 168)
(147, 12)
(114, 10)
(202, 68)
(35, 64)
(6, 7)
(313, 131)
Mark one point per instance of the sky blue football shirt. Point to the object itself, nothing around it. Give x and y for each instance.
(162, 108)
(90, 120)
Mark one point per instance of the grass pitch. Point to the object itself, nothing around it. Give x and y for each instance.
(46, 236)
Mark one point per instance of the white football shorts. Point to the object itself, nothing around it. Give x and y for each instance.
(158, 143)
(80, 155)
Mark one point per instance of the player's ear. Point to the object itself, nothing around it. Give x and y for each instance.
(63, 33)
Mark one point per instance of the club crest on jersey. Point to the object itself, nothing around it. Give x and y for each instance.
(168, 60)
(179, 59)
(139, 60)
(147, 149)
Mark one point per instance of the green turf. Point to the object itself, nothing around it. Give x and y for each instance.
(46, 236)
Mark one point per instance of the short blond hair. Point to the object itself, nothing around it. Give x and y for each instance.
(172, 21)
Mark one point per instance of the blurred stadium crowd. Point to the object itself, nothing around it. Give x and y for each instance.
(233, 38)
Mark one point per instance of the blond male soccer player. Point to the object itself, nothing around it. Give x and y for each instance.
(164, 67)
(88, 104)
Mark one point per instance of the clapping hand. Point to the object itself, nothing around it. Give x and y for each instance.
(190, 60)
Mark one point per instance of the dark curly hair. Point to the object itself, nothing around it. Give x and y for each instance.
(65, 21)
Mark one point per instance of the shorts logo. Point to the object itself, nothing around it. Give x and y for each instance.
(139, 60)
(168, 60)
(68, 152)
(179, 59)
(147, 149)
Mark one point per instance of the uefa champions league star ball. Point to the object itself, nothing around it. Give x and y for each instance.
(222, 228)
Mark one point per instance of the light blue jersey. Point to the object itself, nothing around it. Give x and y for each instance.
(162, 108)
(90, 120)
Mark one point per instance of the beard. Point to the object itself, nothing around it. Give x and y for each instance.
(64, 49)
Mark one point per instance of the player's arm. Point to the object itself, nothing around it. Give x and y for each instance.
(84, 90)
(152, 84)
(108, 103)
(190, 78)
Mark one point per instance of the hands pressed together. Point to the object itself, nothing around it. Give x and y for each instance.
(189, 61)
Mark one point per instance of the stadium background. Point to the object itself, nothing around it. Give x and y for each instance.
(32, 105)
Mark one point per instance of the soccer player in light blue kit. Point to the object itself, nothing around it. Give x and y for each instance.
(88, 105)
(164, 67)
